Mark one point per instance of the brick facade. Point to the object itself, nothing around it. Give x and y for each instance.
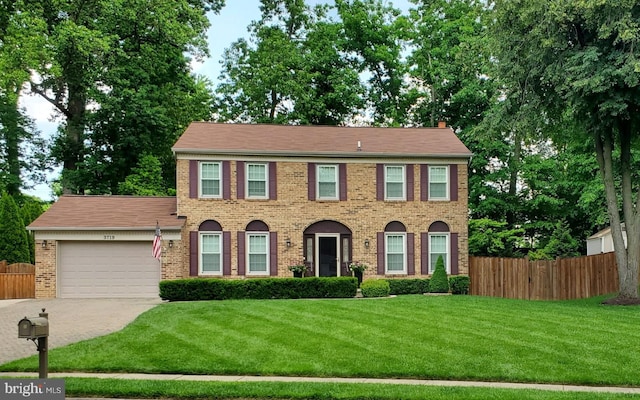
(46, 269)
(292, 212)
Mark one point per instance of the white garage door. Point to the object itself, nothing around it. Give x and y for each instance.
(107, 269)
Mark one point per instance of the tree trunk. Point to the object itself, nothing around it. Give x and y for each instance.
(627, 257)
(74, 135)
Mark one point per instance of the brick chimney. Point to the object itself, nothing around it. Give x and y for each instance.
(442, 124)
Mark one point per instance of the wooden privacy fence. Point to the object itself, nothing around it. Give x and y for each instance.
(17, 281)
(561, 279)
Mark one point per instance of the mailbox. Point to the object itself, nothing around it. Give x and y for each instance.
(33, 328)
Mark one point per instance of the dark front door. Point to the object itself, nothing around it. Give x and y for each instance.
(328, 256)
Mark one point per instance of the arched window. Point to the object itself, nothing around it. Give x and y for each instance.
(210, 250)
(257, 248)
(395, 248)
(439, 245)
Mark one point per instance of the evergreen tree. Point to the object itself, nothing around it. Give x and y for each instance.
(14, 245)
(439, 283)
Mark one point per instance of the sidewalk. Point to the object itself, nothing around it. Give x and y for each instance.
(231, 378)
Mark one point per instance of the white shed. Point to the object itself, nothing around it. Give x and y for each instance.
(602, 241)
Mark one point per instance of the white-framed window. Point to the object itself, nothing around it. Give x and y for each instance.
(395, 245)
(438, 246)
(328, 177)
(210, 253)
(394, 182)
(438, 182)
(258, 253)
(257, 181)
(211, 179)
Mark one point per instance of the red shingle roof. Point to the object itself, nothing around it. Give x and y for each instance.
(207, 137)
(105, 212)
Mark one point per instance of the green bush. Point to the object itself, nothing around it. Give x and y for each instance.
(195, 289)
(459, 284)
(439, 282)
(375, 288)
(408, 286)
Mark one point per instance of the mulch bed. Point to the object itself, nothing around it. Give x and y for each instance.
(622, 301)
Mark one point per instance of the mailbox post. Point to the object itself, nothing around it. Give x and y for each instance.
(37, 328)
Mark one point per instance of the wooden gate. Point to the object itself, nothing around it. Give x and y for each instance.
(17, 281)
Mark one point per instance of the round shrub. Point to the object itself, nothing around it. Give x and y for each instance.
(375, 288)
(439, 282)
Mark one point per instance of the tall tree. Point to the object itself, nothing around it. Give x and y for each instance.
(91, 43)
(581, 60)
(291, 70)
(14, 244)
(376, 34)
(21, 42)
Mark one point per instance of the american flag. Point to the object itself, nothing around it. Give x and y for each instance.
(157, 243)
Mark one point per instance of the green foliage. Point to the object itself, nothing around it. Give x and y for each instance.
(145, 180)
(293, 70)
(30, 209)
(490, 238)
(408, 286)
(14, 244)
(439, 282)
(562, 244)
(375, 288)
(459, 284)
(273, 288)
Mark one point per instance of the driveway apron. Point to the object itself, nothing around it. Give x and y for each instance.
(70, 320)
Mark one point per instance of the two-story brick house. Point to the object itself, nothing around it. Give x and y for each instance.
(254, 199)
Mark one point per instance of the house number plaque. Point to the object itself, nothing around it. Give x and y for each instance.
(109, 237)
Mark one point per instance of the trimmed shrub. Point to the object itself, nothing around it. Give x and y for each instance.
(408, 286)
(459, 284)
(195, 289)
(375, 288)
(439, 282)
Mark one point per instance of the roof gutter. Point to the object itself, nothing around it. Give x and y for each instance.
(332, 154)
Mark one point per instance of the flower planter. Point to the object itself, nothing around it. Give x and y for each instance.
(298, 274)
(358, 274)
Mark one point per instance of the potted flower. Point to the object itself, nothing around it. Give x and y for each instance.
(357, 268)
(298, 270)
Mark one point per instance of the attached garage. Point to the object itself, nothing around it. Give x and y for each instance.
(101, 247)
(107, 270)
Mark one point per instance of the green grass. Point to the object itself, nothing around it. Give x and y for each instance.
(452, 337)
(146, 389)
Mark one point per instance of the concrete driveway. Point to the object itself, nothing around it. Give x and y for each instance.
(70, 320)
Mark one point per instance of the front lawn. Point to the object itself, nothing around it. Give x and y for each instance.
(452, 337)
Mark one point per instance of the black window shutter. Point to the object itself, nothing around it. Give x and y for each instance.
(454, 254)
(424, 182)
(226, 253)
(273, 181)
(193, 179)
(410, 173)
(380, 182)
(311, 177)
(411, 263)
(273, 253)
(424, 253)
(193, 253)
(240, 179)
(453, 182)
(226, 180)
(342, 176)
(241, 254)
(380, 251)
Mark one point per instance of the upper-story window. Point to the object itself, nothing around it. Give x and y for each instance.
(327, 182)
(210, 179)
(438, 182)
(394, 179)
(257, 181)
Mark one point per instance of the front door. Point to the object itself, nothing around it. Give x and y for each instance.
(328, 255)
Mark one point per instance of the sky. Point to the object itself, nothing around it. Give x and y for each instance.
(226, 27)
